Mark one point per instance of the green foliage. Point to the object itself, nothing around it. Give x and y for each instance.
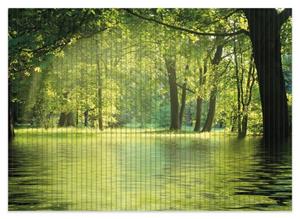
(108, 64)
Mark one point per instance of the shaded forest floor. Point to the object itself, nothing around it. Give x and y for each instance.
(63, 132)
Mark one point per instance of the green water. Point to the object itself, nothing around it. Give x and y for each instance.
(136, 171)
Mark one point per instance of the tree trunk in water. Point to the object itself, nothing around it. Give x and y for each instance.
(243, 129)
(233, 122)
(198, 114)
(171, 70)
(239, 88)
(264, 26)
(211, 111)
(182, 107)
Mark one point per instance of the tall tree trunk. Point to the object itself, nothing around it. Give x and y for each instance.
(213, 94)
(100, 116)
(189, 117)
(100, 87)
(239, 86)
(171, 70)
(86, 118)
(264, 27)
(211, 111)
(243, 129)
(77, 119)
(243, 94)
(183, 101)
(11, 131)
(199, 98)
(233, 121)
(198, 114)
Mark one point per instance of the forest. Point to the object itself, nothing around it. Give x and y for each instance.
(150, 109)
(173, 69)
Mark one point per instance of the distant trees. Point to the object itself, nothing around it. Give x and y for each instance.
(36, 34)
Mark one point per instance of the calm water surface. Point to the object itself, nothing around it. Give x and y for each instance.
(146, 172)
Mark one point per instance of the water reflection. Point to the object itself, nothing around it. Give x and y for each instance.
(27, 182)
(140, 172)
(270, 177)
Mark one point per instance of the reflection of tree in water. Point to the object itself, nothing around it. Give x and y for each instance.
(27, 186)
(269, 177)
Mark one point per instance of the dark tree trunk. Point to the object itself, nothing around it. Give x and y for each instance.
(213, 94)
(198, 114)
(244, 95)
(11, 131)
(77, 119)
(86, 118)
(183, 101)
(239, 87)
(211, 111)
(62, 119)
(66, 119)
(200, 99)
(244, 124)
(189, 118)
(264, 27)
(100, 116)
(233, 122)
(70, 121)
(171, 70)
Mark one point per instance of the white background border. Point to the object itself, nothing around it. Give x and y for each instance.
(5, 4)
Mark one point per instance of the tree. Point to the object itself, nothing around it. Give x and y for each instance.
(264, 32)
(35, 34)
(183, 102)
(199, 100)
(213, 93)
(150, 67)
(99, 86)
(244, 85)
(171, 71)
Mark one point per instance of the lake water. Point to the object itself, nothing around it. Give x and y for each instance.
(128, 171)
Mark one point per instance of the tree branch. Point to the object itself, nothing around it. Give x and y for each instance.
(184, 29)
(284, 15)
(188, 89)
